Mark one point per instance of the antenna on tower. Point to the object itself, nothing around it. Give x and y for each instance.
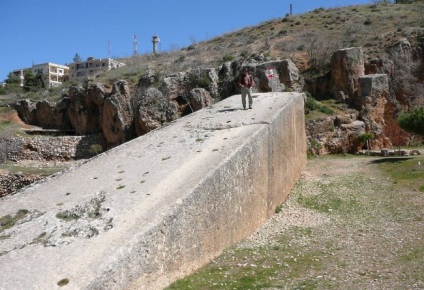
(108, 49)
(135, 52)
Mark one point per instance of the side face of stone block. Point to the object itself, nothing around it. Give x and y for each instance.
(155, 209)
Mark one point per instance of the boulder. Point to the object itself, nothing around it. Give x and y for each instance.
(227, 75)
(372, 97)
(26, 111)
(334, 135)
(289, 75)
(347, 65)
(117, 119)
(173, 85)
(153, 110)
(199, 98)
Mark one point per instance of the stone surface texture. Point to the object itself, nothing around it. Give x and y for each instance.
(160, 206)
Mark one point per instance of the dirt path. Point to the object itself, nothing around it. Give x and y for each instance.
(344, 226)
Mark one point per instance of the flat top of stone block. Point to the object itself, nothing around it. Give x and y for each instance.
(78, 222)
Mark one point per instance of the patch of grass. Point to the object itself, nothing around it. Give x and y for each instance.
(330, 197)
(267, 267)
(41, 239)
(405, 172)
(410, 258)
(67, 215)
(278, 208)
(8, 221)
(311, 104)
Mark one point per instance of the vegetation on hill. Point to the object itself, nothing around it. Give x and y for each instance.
(308, 39)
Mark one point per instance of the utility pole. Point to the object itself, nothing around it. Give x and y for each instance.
(135, 51)
(291, 9)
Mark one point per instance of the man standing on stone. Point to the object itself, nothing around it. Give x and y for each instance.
(246, 83)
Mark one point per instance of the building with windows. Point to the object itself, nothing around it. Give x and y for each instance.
(54, 74)
(92, 67)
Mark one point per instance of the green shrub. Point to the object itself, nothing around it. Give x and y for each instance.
(226, 58)
(313, 105)
(96, 149)
(413, 122)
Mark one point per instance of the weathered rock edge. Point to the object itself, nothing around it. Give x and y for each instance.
(174, 199)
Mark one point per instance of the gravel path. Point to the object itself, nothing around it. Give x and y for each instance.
(344, 226)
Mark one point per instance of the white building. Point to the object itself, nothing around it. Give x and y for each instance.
(92, 67)
(54, 74)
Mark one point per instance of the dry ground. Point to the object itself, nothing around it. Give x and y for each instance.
(346, 225)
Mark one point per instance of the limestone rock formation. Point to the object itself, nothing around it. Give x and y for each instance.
(199, 98)
(153, 110)
(347, 65)
(289, 75)
(335, 134)
(117, 119)
(85, 107)
(26, 111)
(121, 114)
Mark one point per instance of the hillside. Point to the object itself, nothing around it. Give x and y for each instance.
(390, 36)
(308, 39)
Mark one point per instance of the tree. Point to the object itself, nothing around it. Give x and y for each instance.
(366, 137)
(29, 80)
(39, 79)
(33, 82)
(77, 58)
(375, 2)
(13, 80)
(413, 122)
(405, 1)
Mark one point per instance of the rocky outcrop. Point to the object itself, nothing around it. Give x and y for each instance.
(347, 65)
(85, 106)
(372, 97)
(335, 134)
(121, 114)
(117, 121)
(290, 76)
(199, 98)
(26, 110)
(377, 90)
(153, 110)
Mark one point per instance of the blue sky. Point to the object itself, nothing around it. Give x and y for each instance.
(39, 31)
